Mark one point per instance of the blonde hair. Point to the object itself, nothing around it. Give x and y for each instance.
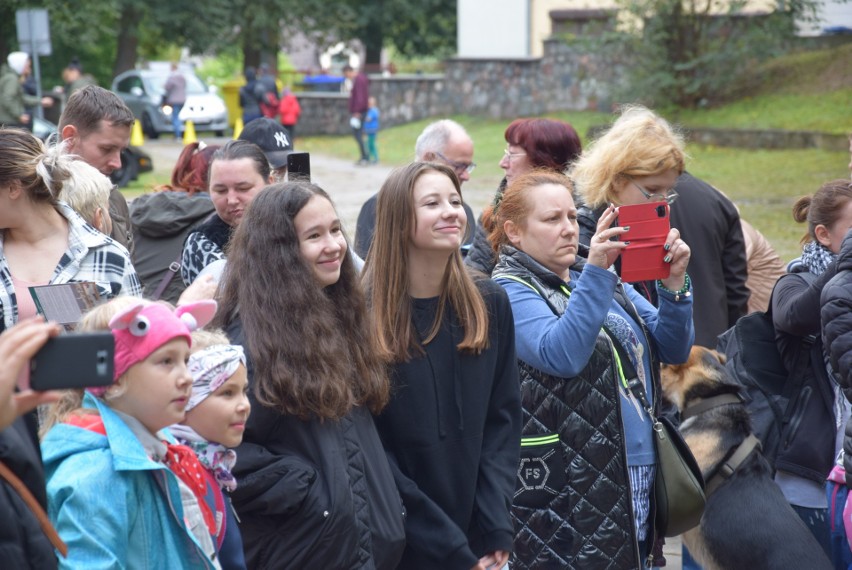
(40, 170)
(202, 339)
(71, 401)
(86, 190)
(639, 143)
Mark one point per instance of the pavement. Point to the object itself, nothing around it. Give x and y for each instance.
(349, 185)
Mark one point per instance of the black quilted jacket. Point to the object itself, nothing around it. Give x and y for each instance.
(578, 514)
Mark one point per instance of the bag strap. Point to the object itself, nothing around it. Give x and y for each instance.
(35, 507)
(173, 268)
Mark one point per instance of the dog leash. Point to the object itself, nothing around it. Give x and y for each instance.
(726, 469)
(709, 404)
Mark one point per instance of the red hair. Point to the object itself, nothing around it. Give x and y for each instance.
(548, 143)
(191, 169)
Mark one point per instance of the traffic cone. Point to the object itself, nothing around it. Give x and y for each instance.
(238, 127)
(136, 137)
(189, 133)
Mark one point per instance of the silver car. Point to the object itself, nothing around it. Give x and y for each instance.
(142, 91)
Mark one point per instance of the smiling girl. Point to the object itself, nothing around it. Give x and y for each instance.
(314, 486)
(452, 428)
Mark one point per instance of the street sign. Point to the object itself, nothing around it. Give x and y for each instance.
(33, 31)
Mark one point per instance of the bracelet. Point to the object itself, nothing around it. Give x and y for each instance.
(683, 292)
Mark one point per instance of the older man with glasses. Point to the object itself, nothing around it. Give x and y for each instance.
(445, 142)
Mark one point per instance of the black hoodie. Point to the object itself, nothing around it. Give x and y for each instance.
(452, 431)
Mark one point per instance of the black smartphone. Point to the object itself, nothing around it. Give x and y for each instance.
(299, 166)
(74, 360)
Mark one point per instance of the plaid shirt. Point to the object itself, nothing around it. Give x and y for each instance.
(91, 256)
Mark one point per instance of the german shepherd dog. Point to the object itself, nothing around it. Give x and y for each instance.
(747, 523)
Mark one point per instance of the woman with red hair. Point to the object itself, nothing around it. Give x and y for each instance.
(162, 219)
(547, 144)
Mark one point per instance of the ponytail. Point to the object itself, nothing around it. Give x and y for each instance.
(39, 170)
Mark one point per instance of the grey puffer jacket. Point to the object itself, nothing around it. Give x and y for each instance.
(589, 522)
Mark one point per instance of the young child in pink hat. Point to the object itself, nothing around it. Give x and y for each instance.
(121, 492)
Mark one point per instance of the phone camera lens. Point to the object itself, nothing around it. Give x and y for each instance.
(661, 211)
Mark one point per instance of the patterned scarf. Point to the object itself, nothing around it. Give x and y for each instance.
(215, 457)
(816, 257)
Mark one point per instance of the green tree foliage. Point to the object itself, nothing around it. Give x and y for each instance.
(691, 53)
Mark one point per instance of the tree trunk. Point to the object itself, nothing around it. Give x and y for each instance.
(373, 40)
(128, 40)
(251, 54)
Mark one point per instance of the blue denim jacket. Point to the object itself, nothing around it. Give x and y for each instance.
(113, 505)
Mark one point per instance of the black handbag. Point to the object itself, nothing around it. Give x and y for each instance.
(678, 482)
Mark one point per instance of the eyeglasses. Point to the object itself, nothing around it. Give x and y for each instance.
(459, 167)
(510, 155)
(667, 196)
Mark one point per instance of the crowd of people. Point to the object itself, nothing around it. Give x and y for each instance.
(285, 397)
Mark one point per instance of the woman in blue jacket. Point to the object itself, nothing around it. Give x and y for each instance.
(589, 503)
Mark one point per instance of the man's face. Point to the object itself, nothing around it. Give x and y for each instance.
(458, 155)
(100, 148)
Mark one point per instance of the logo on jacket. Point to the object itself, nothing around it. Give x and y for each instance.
(533, 473)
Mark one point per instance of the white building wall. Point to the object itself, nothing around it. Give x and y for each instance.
(833, 14)
(493, 28)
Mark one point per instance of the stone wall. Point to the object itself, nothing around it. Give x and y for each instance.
(565, 78)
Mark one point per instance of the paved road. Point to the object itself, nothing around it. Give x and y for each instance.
(349, 186)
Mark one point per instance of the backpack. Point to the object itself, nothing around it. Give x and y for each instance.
(771, 391)
(269, 104)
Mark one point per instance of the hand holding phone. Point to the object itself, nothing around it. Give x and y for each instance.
(643, 258)
(17, 345)
(74, 360)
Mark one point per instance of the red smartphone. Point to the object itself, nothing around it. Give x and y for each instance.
(642, 260)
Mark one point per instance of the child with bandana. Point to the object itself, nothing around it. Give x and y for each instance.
(215, 421)
(120, 491)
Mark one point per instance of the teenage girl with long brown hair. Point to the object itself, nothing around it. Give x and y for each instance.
(452, 427)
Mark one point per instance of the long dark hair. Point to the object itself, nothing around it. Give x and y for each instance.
(386, 274)
(311, 347)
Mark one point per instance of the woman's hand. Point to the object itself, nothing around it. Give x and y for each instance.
(494, 561)
(678, 257)
(18, 345)
(602, 250)
(202, 289)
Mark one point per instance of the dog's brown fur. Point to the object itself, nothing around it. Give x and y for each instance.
(748, 522)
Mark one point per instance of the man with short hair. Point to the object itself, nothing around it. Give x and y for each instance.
(358, 105)
(445, 142)
(96, 126)
(74, 78)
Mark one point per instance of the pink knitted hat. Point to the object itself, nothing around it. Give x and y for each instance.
(145, 327)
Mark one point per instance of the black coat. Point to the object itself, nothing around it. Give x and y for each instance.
(23, 545)
(315, 494)
(710, 225)
(809, 449)
(836, 300)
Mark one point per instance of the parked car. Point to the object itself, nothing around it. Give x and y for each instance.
(142, 91)
(133, 159)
